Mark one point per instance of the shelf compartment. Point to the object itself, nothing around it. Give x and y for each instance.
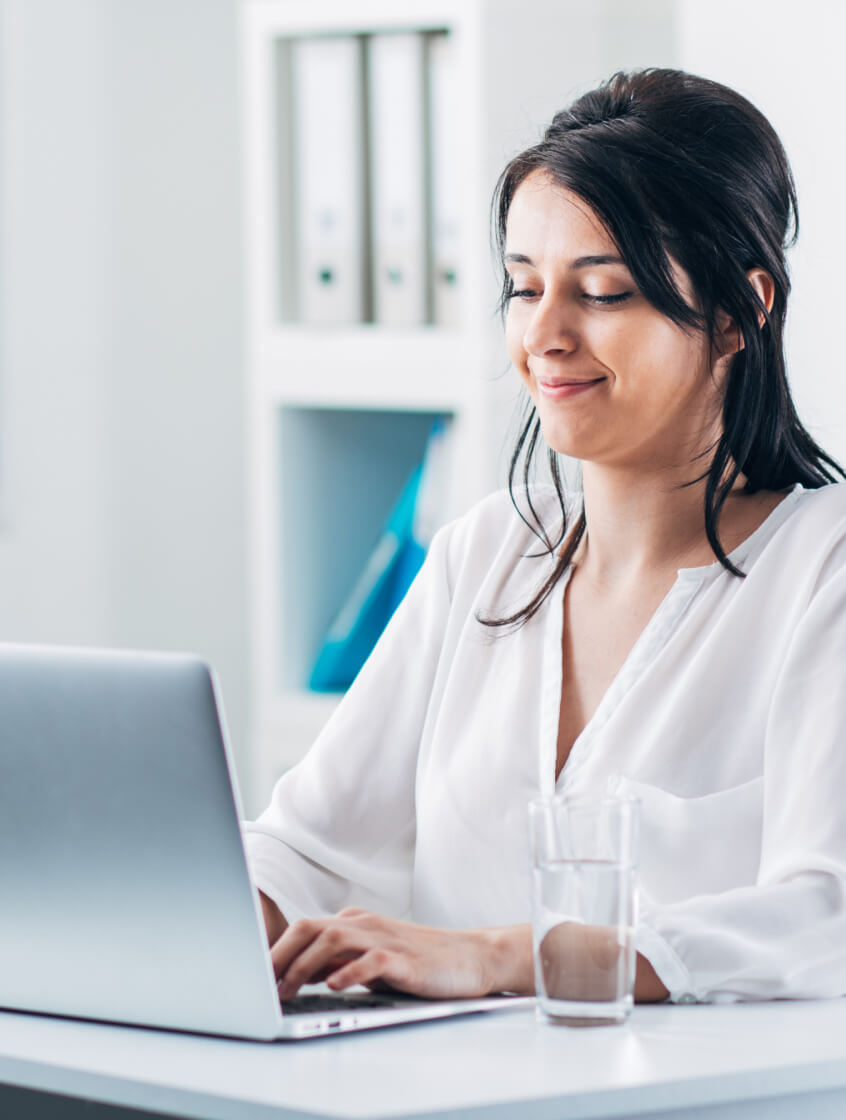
(343, 471)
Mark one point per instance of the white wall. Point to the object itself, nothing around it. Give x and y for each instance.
(121, 387)
(788, 59)
(121, 415)
(174, 365)
(55, 581)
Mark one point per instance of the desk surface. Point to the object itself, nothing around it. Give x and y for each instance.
(484, 1067)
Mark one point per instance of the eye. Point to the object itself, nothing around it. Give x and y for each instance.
(512, 291)
(618, 297)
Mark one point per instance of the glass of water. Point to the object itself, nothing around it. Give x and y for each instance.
(584, 907)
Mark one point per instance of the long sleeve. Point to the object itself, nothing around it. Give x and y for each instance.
(784, 935)
(340, 829)
(728, 720)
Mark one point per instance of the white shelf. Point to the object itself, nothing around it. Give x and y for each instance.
(339, 17)
(413, 369)
(338, 415)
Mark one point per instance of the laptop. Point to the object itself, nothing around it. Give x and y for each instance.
(125, 891)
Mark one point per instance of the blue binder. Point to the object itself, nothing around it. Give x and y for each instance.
(388, 574)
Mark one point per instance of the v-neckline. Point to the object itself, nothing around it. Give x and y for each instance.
(651, 639)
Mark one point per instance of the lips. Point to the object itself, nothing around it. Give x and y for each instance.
(561, 388)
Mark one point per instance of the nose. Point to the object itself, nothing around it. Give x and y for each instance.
(549, 330)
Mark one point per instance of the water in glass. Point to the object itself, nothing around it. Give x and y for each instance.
(583, 931)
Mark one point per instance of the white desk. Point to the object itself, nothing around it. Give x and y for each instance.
(694, 1063)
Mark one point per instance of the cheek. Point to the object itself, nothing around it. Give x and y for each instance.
(630, 341)
(655, 355)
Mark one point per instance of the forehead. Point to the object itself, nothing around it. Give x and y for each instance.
(545, 219)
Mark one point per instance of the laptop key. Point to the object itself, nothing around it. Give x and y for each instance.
(303, 1005)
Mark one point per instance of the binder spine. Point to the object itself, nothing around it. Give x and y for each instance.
(444, 264)
(329, 178)
(397, 119)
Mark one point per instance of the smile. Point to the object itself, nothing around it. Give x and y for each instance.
(560, 390)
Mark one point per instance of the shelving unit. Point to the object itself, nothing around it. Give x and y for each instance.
(339, 415)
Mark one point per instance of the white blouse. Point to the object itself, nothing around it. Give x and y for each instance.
(728, 720)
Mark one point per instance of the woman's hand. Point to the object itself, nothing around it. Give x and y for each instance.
(358, 947)
(581, 962)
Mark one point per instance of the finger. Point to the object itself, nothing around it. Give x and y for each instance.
(335, 944)
(375, 968)
(380, 986)
(293, 941)
(368, 920)
(289, 985)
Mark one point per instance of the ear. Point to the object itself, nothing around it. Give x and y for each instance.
(764, 286)
(729, 338)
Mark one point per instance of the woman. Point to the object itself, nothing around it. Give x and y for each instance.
(680, 633)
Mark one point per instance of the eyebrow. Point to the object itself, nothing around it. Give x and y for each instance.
(579, 262)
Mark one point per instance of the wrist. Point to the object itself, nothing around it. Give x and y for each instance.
(648, 987)
(506, 955)
(274, 920)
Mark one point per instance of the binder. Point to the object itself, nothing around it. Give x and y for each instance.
(444, 147)
(328, 134)
(395, 561)
(431, 507)
(396, 76)
(363, 617)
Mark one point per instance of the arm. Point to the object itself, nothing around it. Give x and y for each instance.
(648, 985)
(358, 947)
(340, 827)
(274, 920)
(510, 966)
(783, 936)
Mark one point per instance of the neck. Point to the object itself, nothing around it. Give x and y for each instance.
(639, 525)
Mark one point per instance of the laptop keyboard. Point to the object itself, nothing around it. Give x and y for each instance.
(309, 1005)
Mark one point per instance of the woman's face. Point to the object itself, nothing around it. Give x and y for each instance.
(614, 381)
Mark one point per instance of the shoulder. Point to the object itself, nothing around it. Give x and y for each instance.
(828, 502)
(515, 517)
(488, 542)
(809, 544)
(818, 517)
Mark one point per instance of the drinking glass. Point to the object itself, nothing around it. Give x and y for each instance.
(584, 907)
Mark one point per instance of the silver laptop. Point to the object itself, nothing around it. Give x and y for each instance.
(124, 889)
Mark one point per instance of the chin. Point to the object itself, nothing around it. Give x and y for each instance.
(565, 441)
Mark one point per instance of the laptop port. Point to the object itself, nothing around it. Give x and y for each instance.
(335, 1026)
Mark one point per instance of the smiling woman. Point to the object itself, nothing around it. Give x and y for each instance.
(638, 650)
(636, 389)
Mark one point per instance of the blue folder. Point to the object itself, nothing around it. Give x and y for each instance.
(380, 588)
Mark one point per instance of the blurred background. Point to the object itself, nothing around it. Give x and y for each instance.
(192, 456)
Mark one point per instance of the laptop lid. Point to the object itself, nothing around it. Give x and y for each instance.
(124, 885)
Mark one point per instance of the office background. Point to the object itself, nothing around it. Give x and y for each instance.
(124, 427)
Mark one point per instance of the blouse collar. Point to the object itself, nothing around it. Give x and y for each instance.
(755, 540)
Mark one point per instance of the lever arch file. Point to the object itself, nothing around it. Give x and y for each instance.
(444, 160)
(328, 130)
(396, 116)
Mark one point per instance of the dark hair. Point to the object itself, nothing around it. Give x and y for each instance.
(676, 164)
